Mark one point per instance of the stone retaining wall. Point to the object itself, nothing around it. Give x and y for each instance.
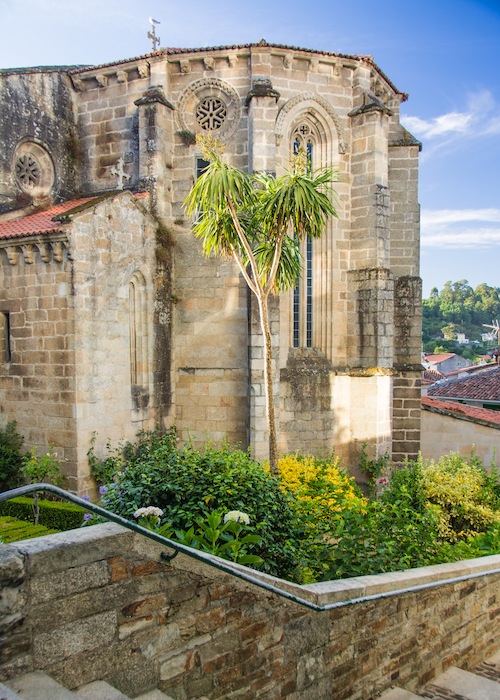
(98, 603)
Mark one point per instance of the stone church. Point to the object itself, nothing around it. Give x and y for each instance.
(112, 321)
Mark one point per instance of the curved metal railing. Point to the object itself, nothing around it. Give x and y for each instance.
(218, 563)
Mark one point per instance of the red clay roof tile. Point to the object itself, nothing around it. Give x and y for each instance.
(484, 386)
(459, 410)
(53, 219)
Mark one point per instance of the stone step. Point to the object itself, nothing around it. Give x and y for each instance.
(7, 693)
(99, 690)
(37, 685)
(399, 694)
(457, 683)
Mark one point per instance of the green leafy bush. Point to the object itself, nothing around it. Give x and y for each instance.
(467, 496)
(11, 457)
(385, 536)
(187, 484)
(313, 521)
(53, 514)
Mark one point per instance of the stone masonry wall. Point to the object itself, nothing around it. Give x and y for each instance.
(98, 603)
(113, 244)
(38, 385)
(442, 434)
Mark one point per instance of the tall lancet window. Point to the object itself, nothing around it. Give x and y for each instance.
(138, 340)
(303, 292)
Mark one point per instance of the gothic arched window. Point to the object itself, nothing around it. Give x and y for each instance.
(303, 138)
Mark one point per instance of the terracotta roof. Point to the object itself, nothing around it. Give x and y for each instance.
(440, 357)
(41, 222)
(459, 410)
(431, 375)
(472, 369)
(484, 386)
(53, 219)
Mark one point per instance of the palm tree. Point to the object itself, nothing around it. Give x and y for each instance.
(250, 218)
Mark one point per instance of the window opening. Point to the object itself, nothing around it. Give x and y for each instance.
(211, 113)
(201, 166)
(303, 291)
(5, 354)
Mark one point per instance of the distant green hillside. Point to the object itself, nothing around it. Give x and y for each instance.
(458, 308)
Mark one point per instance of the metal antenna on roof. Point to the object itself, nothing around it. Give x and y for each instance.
(495, 329)
(152, 34)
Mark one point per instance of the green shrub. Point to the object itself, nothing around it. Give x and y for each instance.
(482, 545)
(12, 530)
(60, 516)
(11, 458)
(147, 442)
(386, 536)
(187, 484)
(465, 494)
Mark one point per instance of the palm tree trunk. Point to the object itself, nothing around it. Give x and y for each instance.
(268, 382)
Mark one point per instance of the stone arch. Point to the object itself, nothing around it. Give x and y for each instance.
(139, 340)
(310, 102)
(311, 317)
(209, 89)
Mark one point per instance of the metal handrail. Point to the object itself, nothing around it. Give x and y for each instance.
(218, 563)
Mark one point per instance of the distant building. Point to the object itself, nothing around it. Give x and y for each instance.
(482, 389)
(445, 362)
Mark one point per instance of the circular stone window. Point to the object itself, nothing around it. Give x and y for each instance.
(33, 169)
(211, 113)
(209, 104)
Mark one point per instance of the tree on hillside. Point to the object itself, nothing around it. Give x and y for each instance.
(459, 304)
(260, 220)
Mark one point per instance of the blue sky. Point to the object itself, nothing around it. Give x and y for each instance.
(444, 53)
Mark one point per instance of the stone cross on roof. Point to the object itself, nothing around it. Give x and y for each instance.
(120, 173)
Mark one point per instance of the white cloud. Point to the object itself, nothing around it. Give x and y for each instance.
(452, 229)
(445, 216)
(480, 119)
(454, 122)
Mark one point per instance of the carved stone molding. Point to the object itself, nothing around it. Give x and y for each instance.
(308, 97)
(49, 250)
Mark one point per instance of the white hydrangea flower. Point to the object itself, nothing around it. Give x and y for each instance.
(150, 511)
(237, 516)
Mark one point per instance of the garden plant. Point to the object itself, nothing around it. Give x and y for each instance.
(311, 522)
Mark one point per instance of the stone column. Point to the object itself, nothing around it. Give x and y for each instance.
(405, 249)
(155, 148)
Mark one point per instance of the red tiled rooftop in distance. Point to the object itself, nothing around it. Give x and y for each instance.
(483, 415)
(433, 359)
(43, 221)
(432, 375)
(483, 386)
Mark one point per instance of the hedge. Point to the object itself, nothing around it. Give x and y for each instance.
(53, 514)
(12, 530)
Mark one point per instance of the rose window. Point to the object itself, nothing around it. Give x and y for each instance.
(211, 113)
(33, 169)
(28, 171)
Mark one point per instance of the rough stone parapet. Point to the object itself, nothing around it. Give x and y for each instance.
(99, 603)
